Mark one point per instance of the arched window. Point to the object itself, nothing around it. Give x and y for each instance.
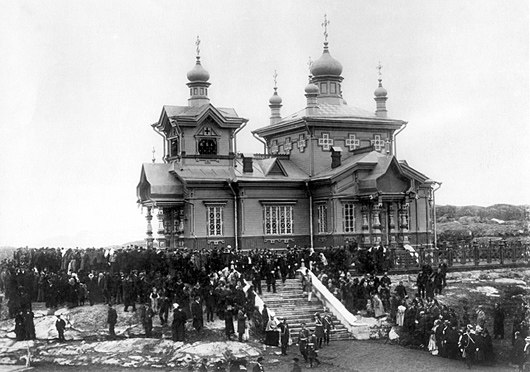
(207, 146)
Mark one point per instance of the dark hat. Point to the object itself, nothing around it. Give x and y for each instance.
(296, 360)
(260, 359)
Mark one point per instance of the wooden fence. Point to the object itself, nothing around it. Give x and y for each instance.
(462, 254)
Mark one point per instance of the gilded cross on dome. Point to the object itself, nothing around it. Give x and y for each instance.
(153, 154)
(379, 67)
(325, 25)
(275, 76)
(302, 143)
(325, 141)
(198, 42)
(352, 142)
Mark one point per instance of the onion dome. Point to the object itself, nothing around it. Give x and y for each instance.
(311, 88)
(380, 91)
(326, 65)
(198, 73)
(275, 99)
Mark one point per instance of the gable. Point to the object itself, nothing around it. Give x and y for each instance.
(392, 180)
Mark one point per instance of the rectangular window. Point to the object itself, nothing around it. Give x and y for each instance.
(348, 217)
(322, 218)
(214, 220)
(278, 219)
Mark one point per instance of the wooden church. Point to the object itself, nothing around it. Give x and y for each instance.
(329, 176)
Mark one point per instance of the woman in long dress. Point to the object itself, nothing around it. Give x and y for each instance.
(272, 334)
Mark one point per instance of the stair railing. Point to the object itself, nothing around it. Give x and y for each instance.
(333, 304)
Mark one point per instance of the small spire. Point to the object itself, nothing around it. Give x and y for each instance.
(153, 154)
(275, 81)
(380, 95)
(325, 25)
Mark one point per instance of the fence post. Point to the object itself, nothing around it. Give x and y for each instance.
(476, 252)
(514, 252)
(462, 247)
(501, 252)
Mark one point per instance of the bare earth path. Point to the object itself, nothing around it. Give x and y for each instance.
(351, 356)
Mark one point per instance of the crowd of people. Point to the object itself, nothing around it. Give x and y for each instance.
(223, 282)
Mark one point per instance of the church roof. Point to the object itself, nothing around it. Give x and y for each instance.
(275, 169)
(157, 184)
(378, 165)
(262, 170)
(326, 110)
(202, 173)
(195, 111)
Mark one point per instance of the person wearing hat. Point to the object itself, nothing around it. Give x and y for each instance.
(468, 345)
(296, 366)
(112, 319)
(60, 325)
(312, 348)
(303, 337)
(178, 326)
(518, 351)
(285, 335)
(258, 367)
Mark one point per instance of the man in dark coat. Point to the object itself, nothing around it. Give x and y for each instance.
(303, 337)
(517, 353)
(178, 327)
(148, 320)
(328, 326)
(498, 321)
(285, 334)
(229, 322)
(20, 326)
(196, 313)
(112, 318)
(60, 325)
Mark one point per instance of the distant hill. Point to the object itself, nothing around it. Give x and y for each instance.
(496, 221)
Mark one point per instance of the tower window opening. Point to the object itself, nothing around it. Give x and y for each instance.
(174, 147)
(207, 146)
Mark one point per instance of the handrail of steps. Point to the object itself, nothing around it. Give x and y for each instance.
(333, 304)
(356, 327)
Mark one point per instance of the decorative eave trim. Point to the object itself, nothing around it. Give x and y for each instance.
(278, 201)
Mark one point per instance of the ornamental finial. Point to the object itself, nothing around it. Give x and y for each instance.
(153, 155)
(379, 67)
(198, 42)
(275, 76)
(325, 25)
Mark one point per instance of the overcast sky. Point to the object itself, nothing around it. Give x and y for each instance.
(81, 82)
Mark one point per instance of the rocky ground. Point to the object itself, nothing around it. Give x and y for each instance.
(87, 343)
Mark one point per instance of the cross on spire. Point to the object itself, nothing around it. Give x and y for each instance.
(198, 43)
(325, 25)
(379, 67)
(275, 76)
(153, 155)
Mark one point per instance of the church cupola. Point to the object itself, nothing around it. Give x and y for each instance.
(380, 96)
(275, 103)
(326, 73)
(311, 93)
(198, 82)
